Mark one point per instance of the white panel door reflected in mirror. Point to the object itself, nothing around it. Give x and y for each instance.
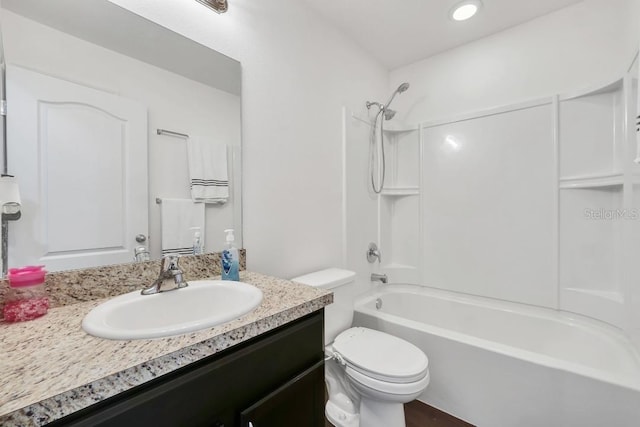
(184, 86)
(85, 154)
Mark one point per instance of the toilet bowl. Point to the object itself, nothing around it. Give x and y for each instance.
(384, 371)
(369, 374)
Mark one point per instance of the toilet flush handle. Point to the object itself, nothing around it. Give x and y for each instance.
(338, 358)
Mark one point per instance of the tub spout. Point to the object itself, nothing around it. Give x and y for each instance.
(379, 277)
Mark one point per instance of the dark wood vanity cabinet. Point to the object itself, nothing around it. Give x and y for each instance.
(273, 380)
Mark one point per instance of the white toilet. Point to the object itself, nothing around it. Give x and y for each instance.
(371, 374)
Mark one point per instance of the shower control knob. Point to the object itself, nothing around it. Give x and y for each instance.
(373, 253)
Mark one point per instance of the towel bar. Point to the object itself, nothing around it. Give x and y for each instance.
(172, 133)
(159, 202)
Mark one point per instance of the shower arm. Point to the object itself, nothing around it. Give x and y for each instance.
(370, 104)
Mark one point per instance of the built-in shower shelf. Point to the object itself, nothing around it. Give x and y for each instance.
(592, 181)
(603, 87)
(398, 266)
(390, 127)
(613, 296)
(400, 191)
(399, 129)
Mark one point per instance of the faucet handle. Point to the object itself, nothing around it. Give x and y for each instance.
(170, 262)
(373, 253)
(170, 268)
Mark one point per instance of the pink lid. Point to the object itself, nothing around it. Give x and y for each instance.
(26, 276)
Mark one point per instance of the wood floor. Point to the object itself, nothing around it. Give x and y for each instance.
(418, 414)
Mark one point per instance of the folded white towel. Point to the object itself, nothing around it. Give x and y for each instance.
(177, 217)
(208, 171)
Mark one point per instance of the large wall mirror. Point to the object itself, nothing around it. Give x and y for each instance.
(89, 85)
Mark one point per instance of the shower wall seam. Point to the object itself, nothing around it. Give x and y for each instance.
(556, 198)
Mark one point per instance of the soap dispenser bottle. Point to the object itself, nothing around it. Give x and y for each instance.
(198, 247)
(230, 259)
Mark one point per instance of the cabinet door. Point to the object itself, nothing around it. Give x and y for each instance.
(299, 402)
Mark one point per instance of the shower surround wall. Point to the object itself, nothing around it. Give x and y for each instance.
(488, 205)
(494, 210)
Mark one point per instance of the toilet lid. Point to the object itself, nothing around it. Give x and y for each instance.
(381, 356)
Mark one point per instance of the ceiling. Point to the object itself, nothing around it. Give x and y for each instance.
(95, 21)
(400, 32)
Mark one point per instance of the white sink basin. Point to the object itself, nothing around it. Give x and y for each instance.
(202, 304)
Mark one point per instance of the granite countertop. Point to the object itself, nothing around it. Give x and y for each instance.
(51, 367)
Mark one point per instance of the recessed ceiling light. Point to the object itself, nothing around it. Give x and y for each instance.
(465, 10)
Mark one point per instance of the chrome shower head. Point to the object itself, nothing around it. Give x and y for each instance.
(402, 88)
(387, 112)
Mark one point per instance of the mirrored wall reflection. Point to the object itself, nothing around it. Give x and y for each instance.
(89, 85)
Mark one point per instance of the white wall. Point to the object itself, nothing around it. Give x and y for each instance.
(173, 102)
(298, 72)
(570, 49)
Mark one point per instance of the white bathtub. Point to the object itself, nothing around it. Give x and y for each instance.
(500, 364)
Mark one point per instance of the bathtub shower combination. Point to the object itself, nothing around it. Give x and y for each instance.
(501, 364)
(511, 238)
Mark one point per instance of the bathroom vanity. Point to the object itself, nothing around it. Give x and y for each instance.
(263, 369)
(276, 379)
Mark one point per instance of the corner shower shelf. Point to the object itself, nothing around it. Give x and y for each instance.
(400, 130)
(605, 87)
(592, 181)
(613, 296)
(400, 191)
(399, 127)
(390, 127)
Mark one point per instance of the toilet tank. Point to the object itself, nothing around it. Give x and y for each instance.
(339, 315)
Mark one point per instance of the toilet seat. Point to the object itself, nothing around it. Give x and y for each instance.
(386, 387)
(374, 357)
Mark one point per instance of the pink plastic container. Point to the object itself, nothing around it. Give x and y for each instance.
(27, 298)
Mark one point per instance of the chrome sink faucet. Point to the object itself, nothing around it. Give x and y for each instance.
(170, 277)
